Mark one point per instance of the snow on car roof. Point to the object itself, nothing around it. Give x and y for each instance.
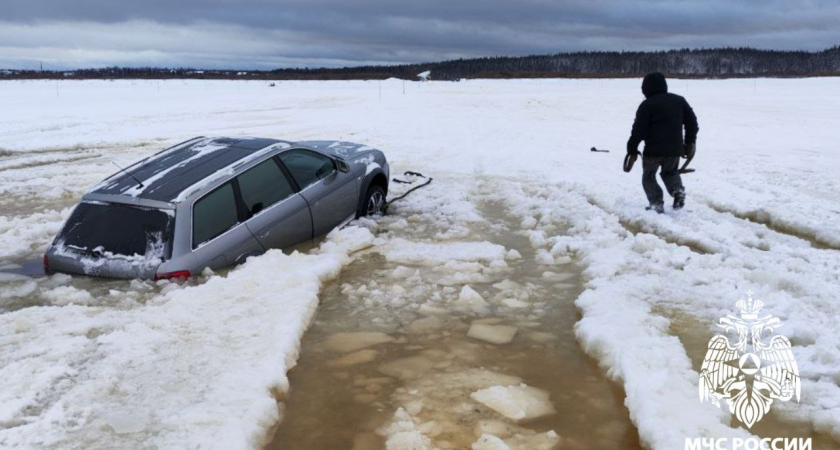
(166, 175)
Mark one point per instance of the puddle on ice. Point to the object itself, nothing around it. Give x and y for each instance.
(476, 352)
(695, 336)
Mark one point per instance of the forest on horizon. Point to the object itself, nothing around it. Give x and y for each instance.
(683, 63)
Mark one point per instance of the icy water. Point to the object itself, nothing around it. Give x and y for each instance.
(421, 367)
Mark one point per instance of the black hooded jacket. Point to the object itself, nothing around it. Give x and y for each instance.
(660, 120)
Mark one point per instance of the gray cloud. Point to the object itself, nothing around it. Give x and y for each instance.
(282, 33)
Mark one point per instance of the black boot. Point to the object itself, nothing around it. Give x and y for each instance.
(658, 207)
(679, 200)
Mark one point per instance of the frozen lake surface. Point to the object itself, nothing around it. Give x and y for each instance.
(103, 364)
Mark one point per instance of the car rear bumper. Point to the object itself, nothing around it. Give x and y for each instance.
(107, 267)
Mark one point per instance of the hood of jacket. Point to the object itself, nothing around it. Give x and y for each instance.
(654, 83)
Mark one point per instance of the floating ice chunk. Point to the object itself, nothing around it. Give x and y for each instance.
(459, 278)
(425, 325)
(544, 257)
(397, 289)
(470, 298)
(460, 266)
(494, 334)
(407, 368)
(348, 342)
(432, 310)
(351, 359)
(347, 240)
(404, 434)
(399, 224)
(403, 272)
(554, 276)
(498, 264)
(506, 285)
(516, 437)
(21, 290)
(541, 337)
(514, 303)
(515, 402)
(66, 295)
(528, 222)
(489, 442)
(124, 423)
(408, 440)
(534, 441)
(537, 238)
(414, 407)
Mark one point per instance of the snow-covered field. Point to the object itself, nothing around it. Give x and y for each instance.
(88, 364)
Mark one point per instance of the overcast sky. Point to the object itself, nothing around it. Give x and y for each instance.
(264, 34)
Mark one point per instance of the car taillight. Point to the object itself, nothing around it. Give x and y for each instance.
(180, 274)
(46, 264)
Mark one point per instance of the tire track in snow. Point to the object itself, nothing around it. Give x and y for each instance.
(639, 226)
(27, 163)
(778, 225)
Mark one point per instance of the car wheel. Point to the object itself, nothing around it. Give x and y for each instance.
(374, 202)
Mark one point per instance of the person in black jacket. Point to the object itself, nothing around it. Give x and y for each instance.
(659, 122)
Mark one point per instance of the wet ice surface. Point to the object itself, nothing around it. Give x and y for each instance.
(452, 333)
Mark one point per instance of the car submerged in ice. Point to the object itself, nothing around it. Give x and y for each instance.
(213, 202)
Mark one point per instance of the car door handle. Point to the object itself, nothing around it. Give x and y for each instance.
(265, 232)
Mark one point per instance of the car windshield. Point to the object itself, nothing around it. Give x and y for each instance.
(109, 228)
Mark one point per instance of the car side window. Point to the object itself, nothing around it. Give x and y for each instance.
(214, 214)
(262, 186)
(307, 167)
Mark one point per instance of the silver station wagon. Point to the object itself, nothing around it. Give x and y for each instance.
(212, 202)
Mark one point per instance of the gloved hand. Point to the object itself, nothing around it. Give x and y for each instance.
(689, 149)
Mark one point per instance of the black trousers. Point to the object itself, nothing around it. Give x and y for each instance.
(670, 176)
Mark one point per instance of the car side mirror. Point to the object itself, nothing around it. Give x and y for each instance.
(341, 165)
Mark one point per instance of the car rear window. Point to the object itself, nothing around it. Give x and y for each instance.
(119, 229)
(214, 214)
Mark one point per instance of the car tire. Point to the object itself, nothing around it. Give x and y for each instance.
(374, 202)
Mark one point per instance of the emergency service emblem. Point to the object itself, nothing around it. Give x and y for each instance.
(754, 370)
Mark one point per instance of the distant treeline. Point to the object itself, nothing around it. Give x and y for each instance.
(687, 63)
